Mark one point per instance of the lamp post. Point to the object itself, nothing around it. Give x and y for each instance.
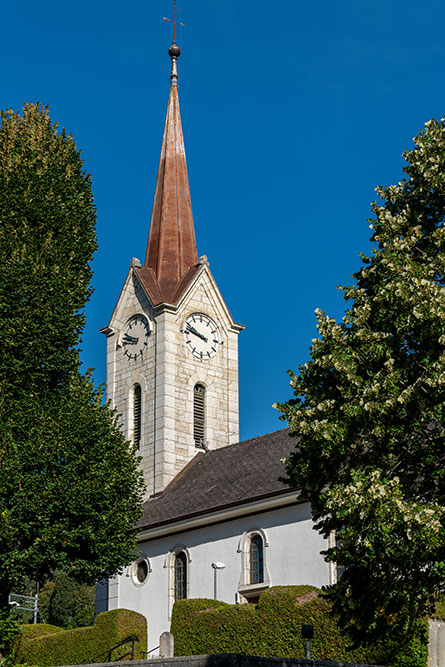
(216, 566)
(307, 632)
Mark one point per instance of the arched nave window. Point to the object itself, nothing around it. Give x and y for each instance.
(254, 577)
(199, 392)
(180, 576)
(177, 562)
(256, 560)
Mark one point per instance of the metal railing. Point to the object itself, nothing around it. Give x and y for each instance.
(147, 653)
(109, 652)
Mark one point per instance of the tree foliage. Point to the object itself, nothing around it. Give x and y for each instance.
(66, 603)
(70, 489)
(62, 601)
(369, 407)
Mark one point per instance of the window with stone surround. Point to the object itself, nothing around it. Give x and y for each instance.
(177, 562)
(140, 570)
(199, 414)
(255, 577)
(256, 560)
(180, 576)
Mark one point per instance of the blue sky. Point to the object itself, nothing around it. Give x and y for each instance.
(292, 114)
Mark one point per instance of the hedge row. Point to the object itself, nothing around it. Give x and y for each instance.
(45, 645)
(32, 631)
(273, 628)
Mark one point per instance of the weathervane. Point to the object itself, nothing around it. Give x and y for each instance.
(174, 21)
(174, 51)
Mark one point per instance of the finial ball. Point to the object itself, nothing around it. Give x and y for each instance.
(174, 51)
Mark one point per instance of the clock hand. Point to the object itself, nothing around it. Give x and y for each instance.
(194, 331)
(130, 340)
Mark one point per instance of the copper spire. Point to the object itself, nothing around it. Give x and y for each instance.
(171, 248)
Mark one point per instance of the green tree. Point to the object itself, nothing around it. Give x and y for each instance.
(369, 410)
(62, 601)
(83, 606)
(70, 487)
(66, 603)
(45, 595)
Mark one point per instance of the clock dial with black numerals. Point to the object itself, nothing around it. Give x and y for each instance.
(136, 337)
(201, 336)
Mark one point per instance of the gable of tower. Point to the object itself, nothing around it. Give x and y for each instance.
(132, 299)
(204, 295)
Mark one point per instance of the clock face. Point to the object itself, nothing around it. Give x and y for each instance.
(201, 336)
(136, 337)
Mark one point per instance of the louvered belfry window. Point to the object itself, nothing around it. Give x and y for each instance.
(137, 414)
(199, 414)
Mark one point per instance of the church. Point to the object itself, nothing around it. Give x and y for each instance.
(217, 521)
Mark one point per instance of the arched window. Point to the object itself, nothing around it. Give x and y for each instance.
(255, 578)
(256, 560)
(199, 414)
(177, 561)
(137, 414)
(180, 576)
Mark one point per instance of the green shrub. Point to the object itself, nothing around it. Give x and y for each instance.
(9, 629)
(83, 645)
(29, 632)
(439, 612)
(408, 652)
(273, 628)
(284, 609)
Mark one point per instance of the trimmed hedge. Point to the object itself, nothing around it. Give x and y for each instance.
(273, 628)
(49, 645)
(31, 631)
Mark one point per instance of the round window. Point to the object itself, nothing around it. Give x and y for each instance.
(141, 571)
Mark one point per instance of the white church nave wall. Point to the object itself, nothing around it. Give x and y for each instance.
(289, 556)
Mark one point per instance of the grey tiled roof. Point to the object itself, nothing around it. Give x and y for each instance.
(221, 478)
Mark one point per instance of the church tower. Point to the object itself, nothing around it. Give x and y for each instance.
(172, 344)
